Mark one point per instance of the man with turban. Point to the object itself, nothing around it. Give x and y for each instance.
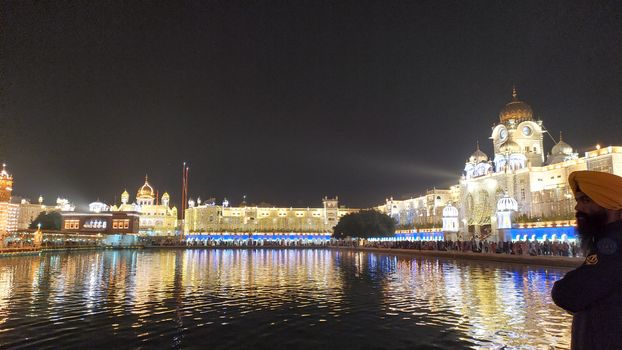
(593, 291)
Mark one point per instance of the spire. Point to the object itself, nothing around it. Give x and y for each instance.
(146, 178)
(560, 136)
(477, 144)
(514, 94)
(4, 173)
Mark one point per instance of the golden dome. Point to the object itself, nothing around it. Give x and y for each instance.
(516, 109)
(145, 190)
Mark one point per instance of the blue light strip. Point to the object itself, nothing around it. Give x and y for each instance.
(413, 236)
(262, 237)
(566, 233)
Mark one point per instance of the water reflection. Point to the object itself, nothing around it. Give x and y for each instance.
(267, 298)
(494, 305)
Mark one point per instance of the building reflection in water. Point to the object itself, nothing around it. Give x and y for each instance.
(493, 304)
(172, 294)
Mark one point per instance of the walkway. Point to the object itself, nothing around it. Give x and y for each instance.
(542, 260)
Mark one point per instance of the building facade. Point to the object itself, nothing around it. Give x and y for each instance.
(209, 218)
(157, 217)
(9, 212)
(425, 211)
(519, 170)
(103, 223)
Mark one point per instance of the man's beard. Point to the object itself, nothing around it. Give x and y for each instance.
(589, 227)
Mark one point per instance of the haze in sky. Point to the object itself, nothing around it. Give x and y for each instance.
(286, 102)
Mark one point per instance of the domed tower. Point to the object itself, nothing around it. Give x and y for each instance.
(145, 194)
(505, 207)
(125, 197)
(6, 185)
(518, 132)
(561, 152)
(510, 157)
(165, 199)
(478, 156)
(450, 219)
(515, 111)
(477, 164)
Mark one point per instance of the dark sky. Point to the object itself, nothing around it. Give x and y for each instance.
(289, 101)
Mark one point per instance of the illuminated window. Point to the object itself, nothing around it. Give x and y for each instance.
(72, 224)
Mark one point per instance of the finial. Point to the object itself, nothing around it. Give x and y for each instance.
(477, 143)
(514, 94)
(146, 177)
(560, 136)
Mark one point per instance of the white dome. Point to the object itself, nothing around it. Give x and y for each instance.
(478, 156)
(561, 148)
(507, 203)
(450, 211)
(98, 207)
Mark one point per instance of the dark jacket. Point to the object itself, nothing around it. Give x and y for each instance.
(593, 294)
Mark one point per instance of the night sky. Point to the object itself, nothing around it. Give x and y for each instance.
(290, 101)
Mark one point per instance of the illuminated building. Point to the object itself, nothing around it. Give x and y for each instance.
(210, 218)
(520, 170)
(9, 212)
(100, 222)
(451, 222)
(424, 211)
(6, 185)
(29, 211)
(156, 219)
(63, 204)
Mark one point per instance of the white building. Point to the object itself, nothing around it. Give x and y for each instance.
(520, 168)
(210, 218)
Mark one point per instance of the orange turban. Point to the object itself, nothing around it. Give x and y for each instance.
(603, 188)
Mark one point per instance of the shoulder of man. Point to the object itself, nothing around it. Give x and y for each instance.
(607, 250)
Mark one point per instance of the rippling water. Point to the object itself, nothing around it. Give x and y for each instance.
(275, 299)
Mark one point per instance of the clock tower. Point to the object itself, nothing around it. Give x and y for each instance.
(518, 133)
(6, 185)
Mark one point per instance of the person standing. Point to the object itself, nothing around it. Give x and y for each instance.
(593, 291)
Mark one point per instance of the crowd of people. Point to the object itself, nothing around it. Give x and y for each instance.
(533, 248)
(237, 243)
